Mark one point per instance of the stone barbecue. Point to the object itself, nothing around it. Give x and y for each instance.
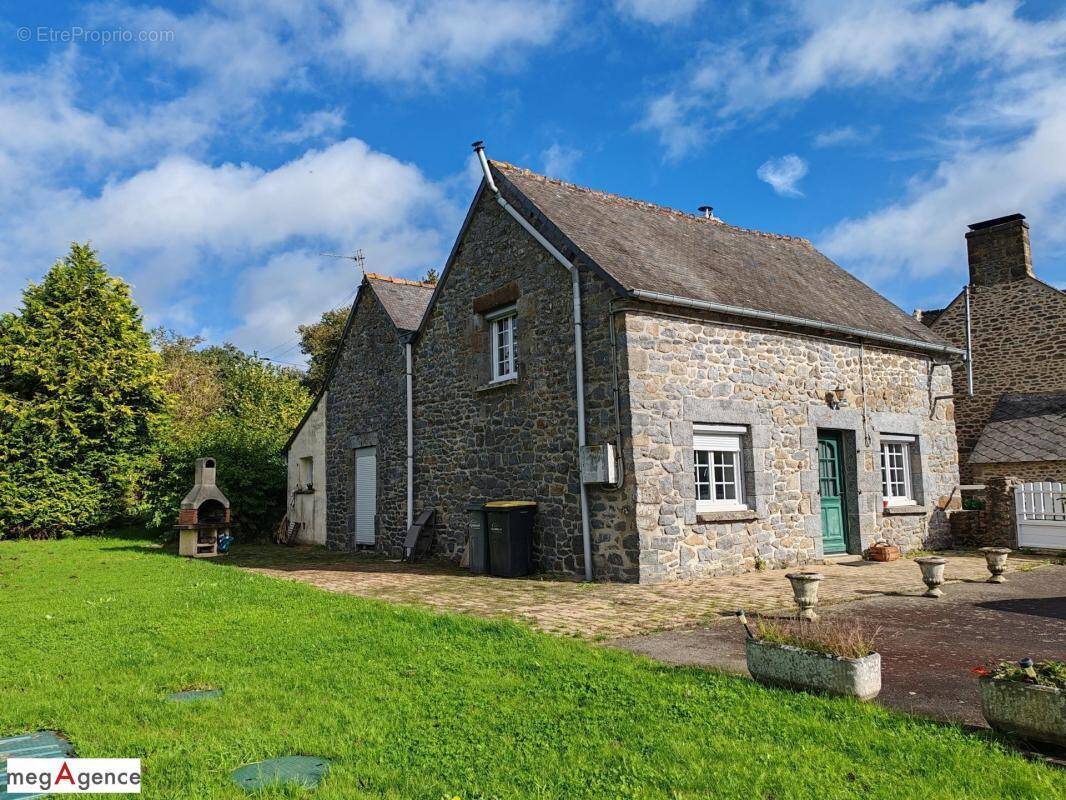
(204, 515)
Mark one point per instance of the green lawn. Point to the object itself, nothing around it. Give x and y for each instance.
(407, 704)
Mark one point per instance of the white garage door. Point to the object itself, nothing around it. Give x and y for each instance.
(366, 494)
(1041, 510)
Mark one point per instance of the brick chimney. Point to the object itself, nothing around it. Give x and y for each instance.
(998, 251)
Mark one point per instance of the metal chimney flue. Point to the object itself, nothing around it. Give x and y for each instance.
(707, 211)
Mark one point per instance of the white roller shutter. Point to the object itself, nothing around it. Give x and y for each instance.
(366, 494)
(717, 437)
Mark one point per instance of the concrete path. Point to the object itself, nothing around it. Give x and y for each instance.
(928, 647)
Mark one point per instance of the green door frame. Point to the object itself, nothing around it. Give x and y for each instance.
(832, 492)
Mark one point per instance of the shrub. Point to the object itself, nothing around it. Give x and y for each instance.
(846, 640)
(251, 410)
(1041, 673)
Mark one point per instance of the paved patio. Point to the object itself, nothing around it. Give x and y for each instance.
(595, 611)
(927, 647)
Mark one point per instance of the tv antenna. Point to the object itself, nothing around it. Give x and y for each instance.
(358, 258)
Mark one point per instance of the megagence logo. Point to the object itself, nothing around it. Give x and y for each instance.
(74, 775)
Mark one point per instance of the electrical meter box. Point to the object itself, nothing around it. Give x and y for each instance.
(598, 464)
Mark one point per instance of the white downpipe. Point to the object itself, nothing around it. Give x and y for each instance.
(579, 353)
(410, 438)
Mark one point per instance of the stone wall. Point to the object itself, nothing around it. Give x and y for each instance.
(303, 506)
(685, 371)
(1032, 471)
(1019, 345)
(475, 440)
(367, 407)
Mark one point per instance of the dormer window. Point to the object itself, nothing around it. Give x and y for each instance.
(503, 332)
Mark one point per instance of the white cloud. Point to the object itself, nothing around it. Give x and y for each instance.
(414, 41)
(182, 230)
(251, 46)
(316, 125)
(668, 115)
(783, 174)
(844, 135)
(657, 12)
(922, 234)
(833, 44)
(559, 161)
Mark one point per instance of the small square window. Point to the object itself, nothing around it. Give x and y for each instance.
(897, 486)
(719, 467)
(503, 343)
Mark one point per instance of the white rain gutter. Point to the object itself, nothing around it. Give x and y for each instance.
(769, 316)
(410, 437)
(579, 356)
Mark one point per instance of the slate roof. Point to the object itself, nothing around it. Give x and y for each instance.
(1024, 427)
(642, 246)
(405, 301)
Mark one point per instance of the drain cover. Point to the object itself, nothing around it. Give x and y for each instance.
(43, 744)
(194, 694)
(305, 771)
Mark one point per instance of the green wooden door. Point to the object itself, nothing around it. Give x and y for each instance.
(831, 490)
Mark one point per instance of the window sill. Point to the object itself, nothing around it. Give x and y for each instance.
(488, 387)
(912, 509)
(739, 515)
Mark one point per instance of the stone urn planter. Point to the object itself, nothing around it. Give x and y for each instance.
(996, 559)
(932, 574)
(1033, 712)
(805, 589)
(796, 668)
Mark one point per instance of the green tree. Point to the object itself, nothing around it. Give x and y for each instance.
(252, 409)
(320, 340)
(81, 400)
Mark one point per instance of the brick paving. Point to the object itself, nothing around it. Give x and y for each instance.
(595, 611)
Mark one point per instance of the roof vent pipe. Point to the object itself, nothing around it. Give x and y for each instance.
(707, 211)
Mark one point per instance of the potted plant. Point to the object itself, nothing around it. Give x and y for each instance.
(824, 657)
(1027, 699)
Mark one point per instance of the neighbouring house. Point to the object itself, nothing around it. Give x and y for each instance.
(1014, 425)
(682, 398)
(306, 486)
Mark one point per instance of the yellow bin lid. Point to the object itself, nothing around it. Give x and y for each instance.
(511, 504)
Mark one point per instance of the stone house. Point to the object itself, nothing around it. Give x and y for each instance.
(361, 408)
(1014, 425)
(683, 398)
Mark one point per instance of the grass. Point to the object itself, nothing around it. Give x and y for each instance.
(832, 638)
(408, 704)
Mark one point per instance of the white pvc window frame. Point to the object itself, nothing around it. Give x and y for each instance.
(897, 482)
(503, 343)
(307, 471)
(718, 466)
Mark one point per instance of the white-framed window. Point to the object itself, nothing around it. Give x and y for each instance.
(719, 465)
(503, 343)
(897, 485)
(307, 471)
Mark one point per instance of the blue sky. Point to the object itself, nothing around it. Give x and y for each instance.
(212, 150)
